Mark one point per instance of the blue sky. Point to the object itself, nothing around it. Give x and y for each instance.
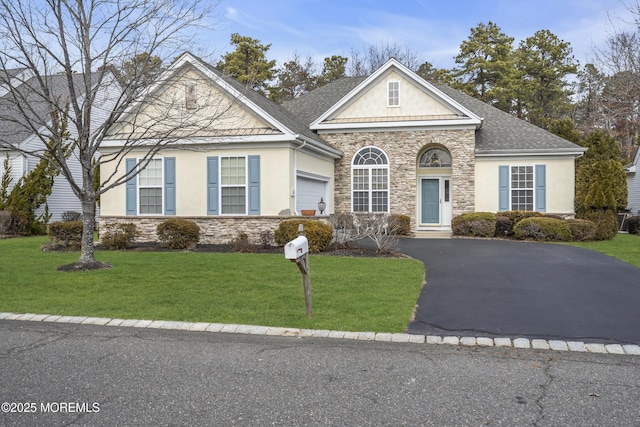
(434, 29)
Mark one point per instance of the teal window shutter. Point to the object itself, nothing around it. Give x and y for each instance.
(132, 188)
(541, 188)
(169, 185)
(212, 185)
(503, 191)
(254, 185)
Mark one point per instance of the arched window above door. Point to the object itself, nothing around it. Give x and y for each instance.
(435, 158)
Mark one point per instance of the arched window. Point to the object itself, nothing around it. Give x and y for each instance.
(370, 181)
(435, 158)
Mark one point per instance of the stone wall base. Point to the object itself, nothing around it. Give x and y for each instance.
(213, 230)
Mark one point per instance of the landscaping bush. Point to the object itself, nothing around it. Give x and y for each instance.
(344, 229)
(380, 228)
(504, 226)
(633, 225)
(6, 222)
(318, 233)
(68, 216)
(475, 224)
(66, 234)
(581, 229)
(606, 221)
(119, 236)
(543, 230)
(241, 244)
(400, 224)
(176, 233)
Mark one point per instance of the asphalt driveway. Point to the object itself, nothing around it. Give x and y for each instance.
(521, 289)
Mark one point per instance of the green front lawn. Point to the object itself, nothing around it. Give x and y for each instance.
(623, 246)
(354, 294)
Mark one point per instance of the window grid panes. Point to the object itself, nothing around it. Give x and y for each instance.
(150, 188)
(522, 182)
(370, 181)
(394, 94)
(233, 183)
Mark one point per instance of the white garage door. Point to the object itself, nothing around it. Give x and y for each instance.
(309, 191)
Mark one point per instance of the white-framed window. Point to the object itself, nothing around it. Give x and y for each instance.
(150, 188)
(435, 158)
(522, 188)
(370, 181)
(393, 93)
(191, 100)
(233, 185)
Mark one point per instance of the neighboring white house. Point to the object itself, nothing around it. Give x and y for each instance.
(633, 185)
(17, 140)
(390, 142)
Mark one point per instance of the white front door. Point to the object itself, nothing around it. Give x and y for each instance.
(435, 202)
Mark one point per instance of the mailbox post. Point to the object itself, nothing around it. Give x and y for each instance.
(297, 251)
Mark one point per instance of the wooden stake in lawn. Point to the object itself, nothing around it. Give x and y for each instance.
(297, 251)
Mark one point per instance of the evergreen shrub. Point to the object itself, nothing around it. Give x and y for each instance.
(318, 233)
(177, 233)
(66, 234)
(474, 224)
(542, 229)
(582, 229)
(119, 236)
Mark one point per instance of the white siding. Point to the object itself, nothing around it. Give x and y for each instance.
(633, 186)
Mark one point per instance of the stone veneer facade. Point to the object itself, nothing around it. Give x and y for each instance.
(403, 149)
(213, 230)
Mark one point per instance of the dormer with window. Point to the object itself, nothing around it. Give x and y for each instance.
(393, 93)
(191, 101)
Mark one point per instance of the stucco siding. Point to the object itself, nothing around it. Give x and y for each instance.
(276, 179)
(560, 190)
(373, 103)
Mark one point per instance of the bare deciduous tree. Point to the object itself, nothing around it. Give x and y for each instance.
(55, 57)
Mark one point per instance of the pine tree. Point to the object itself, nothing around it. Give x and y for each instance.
(601, 187)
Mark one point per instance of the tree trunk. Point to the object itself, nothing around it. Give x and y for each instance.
(87, 259)
(88, 227)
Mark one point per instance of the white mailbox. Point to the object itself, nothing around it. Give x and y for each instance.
(296, 248)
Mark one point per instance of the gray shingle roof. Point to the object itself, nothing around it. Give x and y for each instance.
(277, 111)
(13, 125)
(500, 132)
(312, 105)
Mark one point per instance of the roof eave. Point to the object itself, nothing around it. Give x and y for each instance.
(577, 152)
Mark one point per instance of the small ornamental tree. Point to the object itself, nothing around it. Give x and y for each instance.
(601, 187)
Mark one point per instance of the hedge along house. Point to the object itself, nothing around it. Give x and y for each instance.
(387, 143)
(433, 153)
(236, 163)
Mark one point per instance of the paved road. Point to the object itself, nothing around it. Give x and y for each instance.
(157, 377)
(523, 289)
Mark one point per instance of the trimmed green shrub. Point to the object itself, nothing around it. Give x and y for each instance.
(543, 230)
(581, 229)
(177, 233)
(119, 236)
(67, 234)
(606, 221)
(318, 233)
(400, 224)
(475, 224)
(633, 225)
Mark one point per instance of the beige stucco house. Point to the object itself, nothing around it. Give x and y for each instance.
(390, 142)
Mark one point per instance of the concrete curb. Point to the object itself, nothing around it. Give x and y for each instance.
(554, 345)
